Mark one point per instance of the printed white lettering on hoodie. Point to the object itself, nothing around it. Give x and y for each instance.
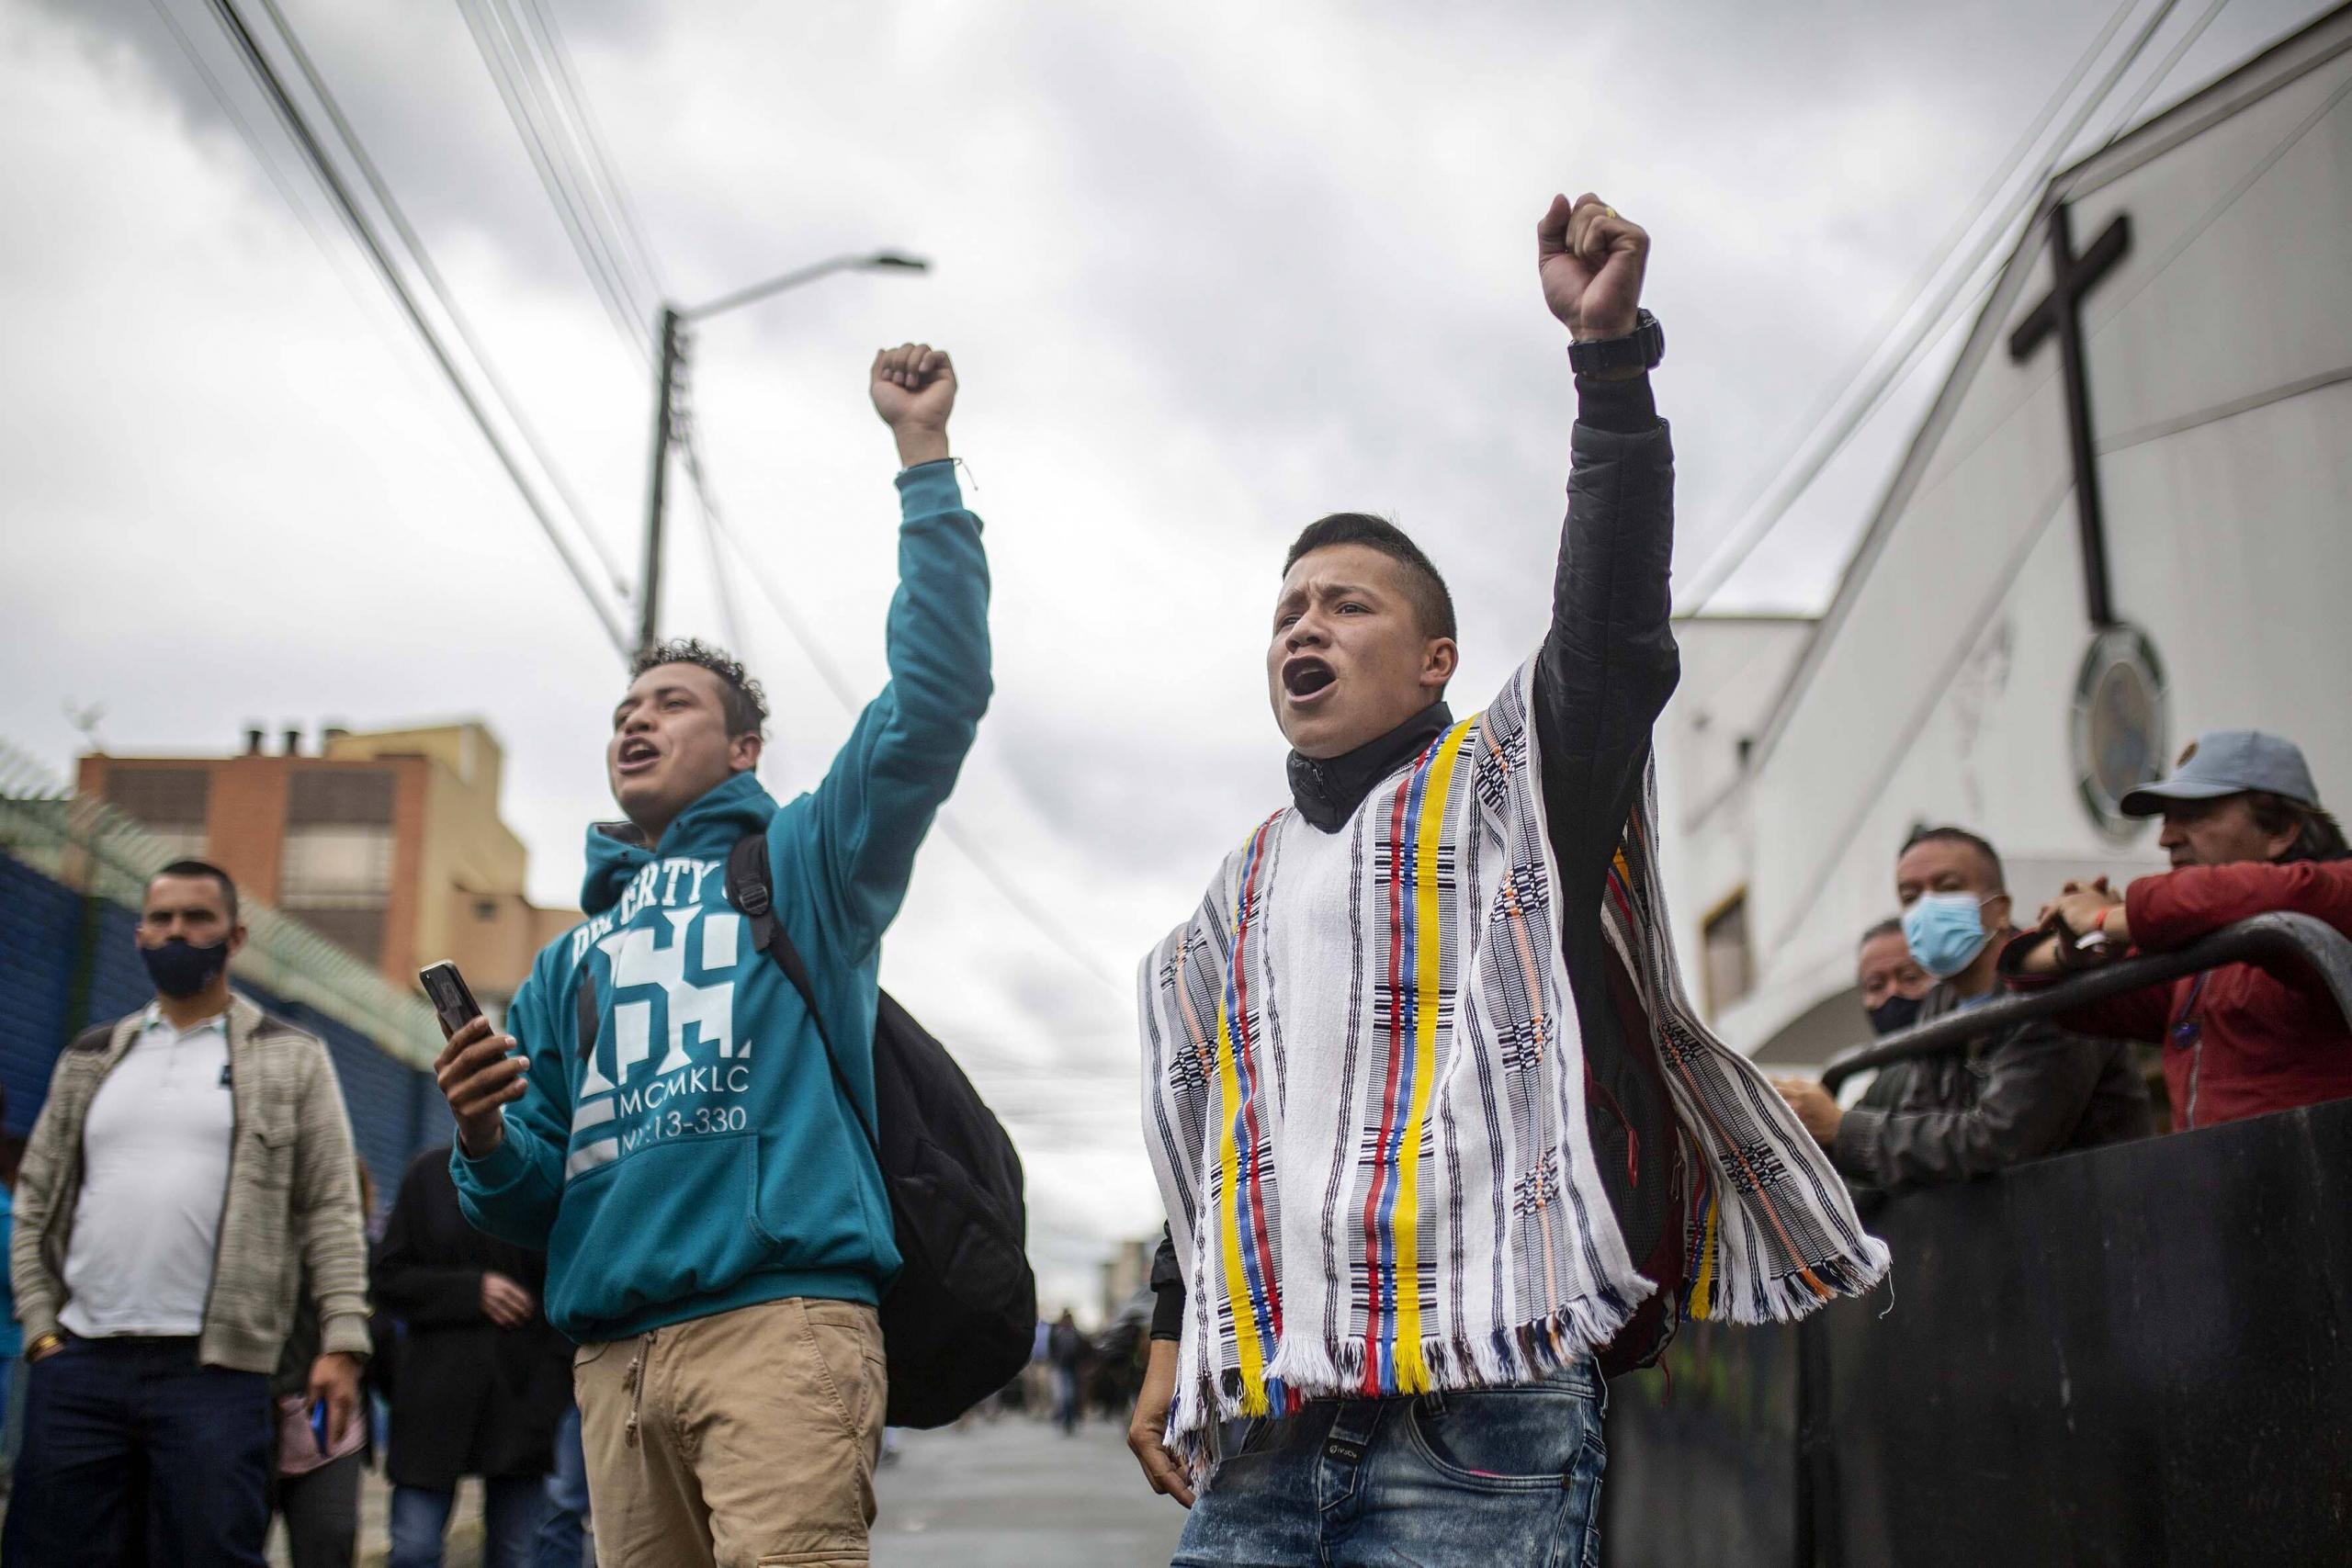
(624, 1096)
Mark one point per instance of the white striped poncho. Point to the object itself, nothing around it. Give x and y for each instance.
(1364, 1100)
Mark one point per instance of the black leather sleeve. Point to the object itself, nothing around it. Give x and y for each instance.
(1608, 661)
(1606, 668)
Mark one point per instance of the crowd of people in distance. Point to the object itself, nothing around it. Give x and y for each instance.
(2246, 833)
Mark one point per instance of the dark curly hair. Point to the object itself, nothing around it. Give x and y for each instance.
(743, 703)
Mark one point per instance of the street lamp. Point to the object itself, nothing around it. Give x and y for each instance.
(672, 329)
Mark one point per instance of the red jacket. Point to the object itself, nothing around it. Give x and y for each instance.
(2243, 1039)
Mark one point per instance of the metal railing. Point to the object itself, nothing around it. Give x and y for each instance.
(2315, 945)
(92, 847)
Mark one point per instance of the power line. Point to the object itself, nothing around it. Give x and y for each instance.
(337, 262)
(1826, 441)
(835, 682)
(1733, 551)
(607, 183)
(717, 530)
(516, 76)
(2163, 72)
(2043, 508)
(266, 75)
(300, 210)
(509, 404)
(246, 132)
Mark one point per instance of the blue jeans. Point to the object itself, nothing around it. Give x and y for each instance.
(512, 1507)
(563, 1537)
(132, 1441)
(1492, 1478)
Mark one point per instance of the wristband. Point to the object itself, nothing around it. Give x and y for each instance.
(1640, 349)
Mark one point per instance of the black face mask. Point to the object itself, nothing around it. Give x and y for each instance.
(1896, 1012)
(182, 969)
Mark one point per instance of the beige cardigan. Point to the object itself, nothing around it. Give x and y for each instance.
(292, 1200)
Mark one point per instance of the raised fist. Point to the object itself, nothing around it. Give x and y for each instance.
(1592, 263)
(913, 384)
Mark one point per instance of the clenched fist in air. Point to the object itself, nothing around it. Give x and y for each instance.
(1592, 263)
(914, 391)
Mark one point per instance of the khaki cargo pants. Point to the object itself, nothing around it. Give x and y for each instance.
(744, 1439)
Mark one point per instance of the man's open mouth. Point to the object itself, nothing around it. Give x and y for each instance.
(1306, 677)
(636, 756)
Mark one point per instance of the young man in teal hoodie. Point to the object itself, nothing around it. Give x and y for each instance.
(718, 1235)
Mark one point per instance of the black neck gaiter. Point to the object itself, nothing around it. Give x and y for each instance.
(1328, 791)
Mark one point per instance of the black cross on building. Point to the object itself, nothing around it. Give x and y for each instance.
(2061, 312)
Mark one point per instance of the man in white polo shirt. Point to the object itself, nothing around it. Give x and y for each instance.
(192, 1161)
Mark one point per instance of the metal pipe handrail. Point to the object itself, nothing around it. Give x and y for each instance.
(2278, 935)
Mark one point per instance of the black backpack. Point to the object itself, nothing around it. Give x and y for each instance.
(958, 1322)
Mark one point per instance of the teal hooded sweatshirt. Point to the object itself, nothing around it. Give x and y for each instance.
(697, 1155)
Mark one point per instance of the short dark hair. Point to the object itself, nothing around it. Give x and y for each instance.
(1891, 926)
(202, 868)
(741, 702)
(1432, 604)
(2318, 835)
(1984, 851)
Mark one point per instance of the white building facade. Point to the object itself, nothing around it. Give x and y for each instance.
(1957, 675)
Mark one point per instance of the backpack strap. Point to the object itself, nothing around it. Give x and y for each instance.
(749, 890)
(584, 1001)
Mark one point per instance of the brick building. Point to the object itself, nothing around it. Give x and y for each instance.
(387, 843)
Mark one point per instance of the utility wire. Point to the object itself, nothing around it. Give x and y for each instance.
(1892, 754)
(513, 80)
(254, 144)
(545, 129)
(337, 262)
(509, 404)
(1727, 557)
(1824, 441)
(266, 75)
(717, 529)
(2163, 72)
(590, 135)
(830, 674)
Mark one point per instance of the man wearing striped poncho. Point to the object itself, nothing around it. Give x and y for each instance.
(1440, 1138)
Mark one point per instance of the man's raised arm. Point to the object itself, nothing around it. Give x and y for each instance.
(899, 763)
(1608, 661)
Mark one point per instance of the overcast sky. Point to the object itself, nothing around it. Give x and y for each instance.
(1208, 272)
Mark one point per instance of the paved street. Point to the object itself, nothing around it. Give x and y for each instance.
(1018, 1494)
(1014, 1494)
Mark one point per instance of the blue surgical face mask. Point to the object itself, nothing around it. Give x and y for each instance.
(1945, 931)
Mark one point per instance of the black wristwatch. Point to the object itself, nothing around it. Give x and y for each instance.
(1643, 346)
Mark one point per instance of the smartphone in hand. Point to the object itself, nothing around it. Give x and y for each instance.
(452, 1001)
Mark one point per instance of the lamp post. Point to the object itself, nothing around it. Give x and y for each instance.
(673, 328)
